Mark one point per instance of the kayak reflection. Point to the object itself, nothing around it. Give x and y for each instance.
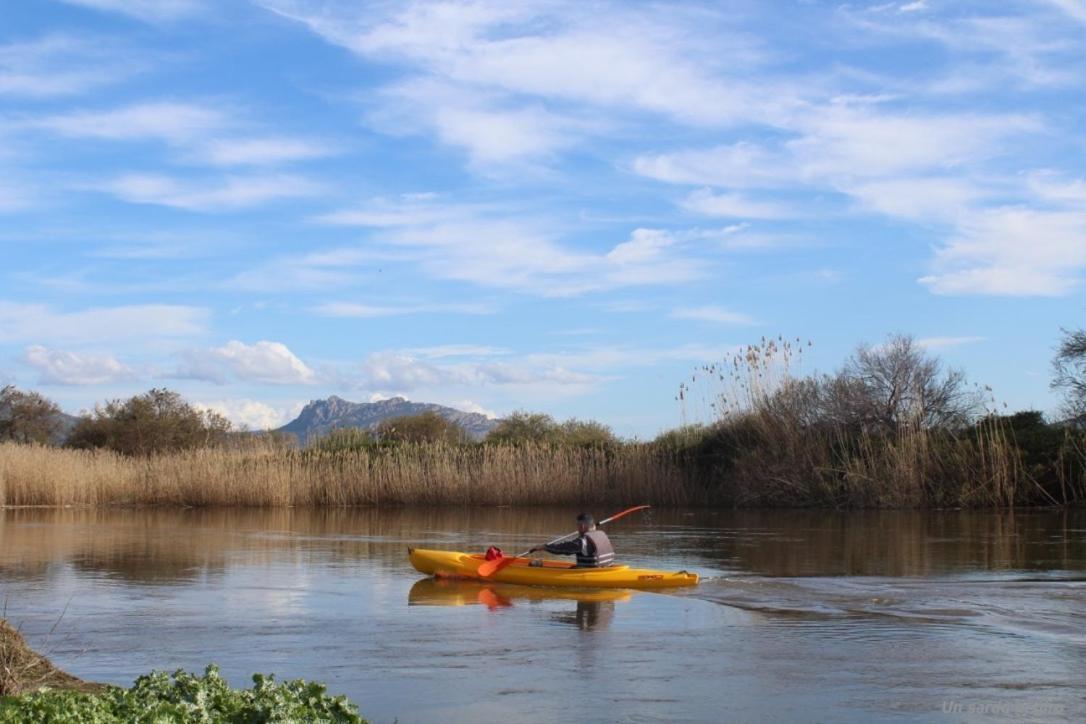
(595, 607)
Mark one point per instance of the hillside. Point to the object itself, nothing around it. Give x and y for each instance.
(319, 417)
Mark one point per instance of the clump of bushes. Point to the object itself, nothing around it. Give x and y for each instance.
(184, 697)
(157, 421)
(426, 427)
(27, 417)
(535, 428)
(892, 428)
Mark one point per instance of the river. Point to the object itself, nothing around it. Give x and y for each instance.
(800, 616)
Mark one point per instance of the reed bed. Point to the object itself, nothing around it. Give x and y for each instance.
(424, 474)
(759, 459)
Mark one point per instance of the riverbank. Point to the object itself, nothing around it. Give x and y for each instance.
(762, 459)
(24, 670)
(33, 689)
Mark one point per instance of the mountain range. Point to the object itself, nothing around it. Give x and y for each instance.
(320, 417)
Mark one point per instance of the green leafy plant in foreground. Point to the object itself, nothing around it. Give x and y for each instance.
(185, 697)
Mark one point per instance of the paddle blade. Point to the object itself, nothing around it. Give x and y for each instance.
(489, 568)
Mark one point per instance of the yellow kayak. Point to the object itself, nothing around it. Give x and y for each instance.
(542, 572)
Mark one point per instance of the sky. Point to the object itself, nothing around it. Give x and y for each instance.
(554, 206)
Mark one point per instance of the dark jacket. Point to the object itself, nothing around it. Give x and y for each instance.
(593, 549)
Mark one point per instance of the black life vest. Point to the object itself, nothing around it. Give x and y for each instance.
(597, 551)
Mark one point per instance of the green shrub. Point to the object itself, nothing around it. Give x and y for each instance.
(157, 421)
(424, 427)
(539, 429)
(346, 439)
(28, 417)
(184, 697)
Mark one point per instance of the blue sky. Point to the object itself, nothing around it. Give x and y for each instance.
(556, 206)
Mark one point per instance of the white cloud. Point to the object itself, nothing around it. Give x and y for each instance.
(59, 65)
(316, 271)
(491, 132)
(718, 315)
(612, 358)
(1014, 251)
(200, 132)
(262, 151)
(705, 202)
(13, 198)
(1076, 9)
(472, 406)
(391, 371)
(849, 141)
(267, 362)
(921, 199)
(58, 367)
(485, 246)
(36, 322)
(508, 81)
(738, 165)
(235, 192)
(168, 121)
(458, 350)
(1052, 188)
(146, 10)
(252, 414)
(372, 311)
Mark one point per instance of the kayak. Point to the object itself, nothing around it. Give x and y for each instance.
(543, 572)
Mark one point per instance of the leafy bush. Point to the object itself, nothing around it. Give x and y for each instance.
(156, 421)
(525, 427)
(424, 427)
(185, 697)
(346, 439)
(28, 417)
(540, 429)
(586, 433)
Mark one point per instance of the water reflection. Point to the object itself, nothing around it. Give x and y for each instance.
(592, 609)
(181, 546)
(854, 616)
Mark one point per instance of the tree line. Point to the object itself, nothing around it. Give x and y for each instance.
(161, 420)
(878, 390)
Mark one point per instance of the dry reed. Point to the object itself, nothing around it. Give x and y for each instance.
(406, 474)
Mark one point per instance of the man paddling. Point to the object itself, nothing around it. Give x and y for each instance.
(591, 546)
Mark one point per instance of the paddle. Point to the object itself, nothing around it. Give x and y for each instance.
(489, 568)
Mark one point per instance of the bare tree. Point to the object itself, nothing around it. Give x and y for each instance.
(28, 417)
(1069, 372)
(898, 383)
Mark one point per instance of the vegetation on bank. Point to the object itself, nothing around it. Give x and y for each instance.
(893, 427)
(24, 670)
(183, 698)
(33, 690)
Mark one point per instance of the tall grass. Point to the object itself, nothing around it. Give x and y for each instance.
(754, 460)
(404, 474)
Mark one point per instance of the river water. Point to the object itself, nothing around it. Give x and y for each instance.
(800, 616)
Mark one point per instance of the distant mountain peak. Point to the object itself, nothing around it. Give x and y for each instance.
(319, 417)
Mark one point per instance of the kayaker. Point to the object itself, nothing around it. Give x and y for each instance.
(591, 546)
